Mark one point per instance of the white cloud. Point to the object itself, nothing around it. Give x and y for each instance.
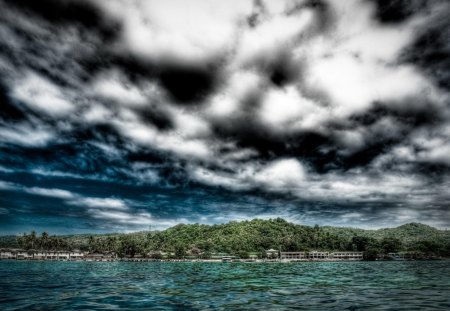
(174, 141)
(115, 87)
(342, 70)
(176, 28)
(353, 85)
(42, 95)
(281, 175)
(25, 135)
(271, 35)
(54, 193)
(108, 203)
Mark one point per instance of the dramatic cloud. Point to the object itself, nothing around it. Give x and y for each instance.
(119, 115)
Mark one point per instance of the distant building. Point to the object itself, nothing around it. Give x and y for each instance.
(63, 255)
(100, 257)
(316, 255)
(293, 256)
(76, 255)
(24, 255)
(7, 254)
(347, 255)
(227, 258)
(51, 255)
(272, 253)
(39, 255)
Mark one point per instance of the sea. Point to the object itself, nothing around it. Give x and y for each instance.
(395, 285)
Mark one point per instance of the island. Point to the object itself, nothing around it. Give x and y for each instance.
(257, 240)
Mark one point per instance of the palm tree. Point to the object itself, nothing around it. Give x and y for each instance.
(33, 239)
(91, 243)
(316, 235)
(44, 240)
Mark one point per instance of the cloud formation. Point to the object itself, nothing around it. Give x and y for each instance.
(337, 107)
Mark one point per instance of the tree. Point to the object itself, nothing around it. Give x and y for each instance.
(195, 251)
(360, 243)
(180, 251)
(243, 255)
(44, 243)
(316, 235)
(390, 245)
(92, 244)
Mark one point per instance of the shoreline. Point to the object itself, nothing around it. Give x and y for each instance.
(221, 261)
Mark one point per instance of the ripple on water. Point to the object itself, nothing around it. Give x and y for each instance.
(217, 286)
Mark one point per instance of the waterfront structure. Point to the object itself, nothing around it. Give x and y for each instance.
(76, 255)
(293, 256)
(20, 254)
(93, 257)
(51, 255)
(227, 258)
(24, 255)
(7, 254)
(63, 255)
(39, 255)
(100, 257)
(315, 255)
(272, 253)
(347, 255)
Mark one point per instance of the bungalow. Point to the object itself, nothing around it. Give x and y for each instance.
(272, 253)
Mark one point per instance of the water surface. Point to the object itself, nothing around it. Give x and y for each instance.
(26, 285)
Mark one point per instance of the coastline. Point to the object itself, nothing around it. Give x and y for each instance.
(148, 260)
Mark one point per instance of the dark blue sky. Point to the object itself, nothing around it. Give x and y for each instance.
(124, 116)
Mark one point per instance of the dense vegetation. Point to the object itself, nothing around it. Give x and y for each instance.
(242, 238)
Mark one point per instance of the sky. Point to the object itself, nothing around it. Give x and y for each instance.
(120, 115)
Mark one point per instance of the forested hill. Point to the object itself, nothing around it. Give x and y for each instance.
(249, 236)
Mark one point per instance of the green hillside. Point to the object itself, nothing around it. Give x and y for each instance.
(250, 236)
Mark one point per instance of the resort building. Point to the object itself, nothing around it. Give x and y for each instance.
(24, 255)
(347, 255)
(51, 255)
(272, 253)
(315, 255)
(7, 254)
(94, 257)
(293, 256)
(76, 255)
(100, 257)
(39, 255)
(63, 255)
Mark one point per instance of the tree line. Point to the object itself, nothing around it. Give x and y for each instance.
(247, 237)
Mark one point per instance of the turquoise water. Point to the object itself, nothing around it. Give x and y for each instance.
(224, 286)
